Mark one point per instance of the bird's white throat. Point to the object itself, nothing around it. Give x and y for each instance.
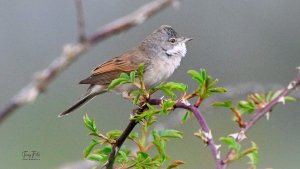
(179, 49)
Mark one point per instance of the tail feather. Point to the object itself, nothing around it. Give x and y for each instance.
(93, 91)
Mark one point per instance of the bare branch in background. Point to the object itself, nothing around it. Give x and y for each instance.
(72, 51)
(80, 20)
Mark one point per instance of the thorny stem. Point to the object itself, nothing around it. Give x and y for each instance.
(203, 124)
(262, 112)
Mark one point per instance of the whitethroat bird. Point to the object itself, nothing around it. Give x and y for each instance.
(160, 52)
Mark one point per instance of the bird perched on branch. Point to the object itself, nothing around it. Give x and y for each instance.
(160, 52)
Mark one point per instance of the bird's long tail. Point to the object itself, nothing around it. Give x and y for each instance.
(92, 91)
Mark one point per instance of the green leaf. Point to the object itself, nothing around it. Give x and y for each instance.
(142, 116)
(88, 150)
(232, 144)
(133, 135)
(124, 76)
(203, 74)
(217, 90)
(123, 156)
(105, 150)
(169, 133)
(186, 116)
(289, 99)
(97, 157)
(175, 86)
(114, 134)
(140, 70)
(132, 76)
(196, 76)
(123, 79)
(169, 87)
(227, 104)
(160, 144)
(90, 124)
(213, 84)
(168, 104)
(169, 93)
(246, 106)
(143, 160)
(253, 156)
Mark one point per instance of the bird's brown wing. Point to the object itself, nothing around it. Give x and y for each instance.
(110, 70)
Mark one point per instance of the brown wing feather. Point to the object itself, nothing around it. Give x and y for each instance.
(110, 70)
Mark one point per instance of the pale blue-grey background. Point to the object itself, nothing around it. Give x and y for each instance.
(237, 41)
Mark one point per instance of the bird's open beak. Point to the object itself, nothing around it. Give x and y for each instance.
(187, 39)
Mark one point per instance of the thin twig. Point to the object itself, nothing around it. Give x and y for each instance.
(119, 142)
(262, 112)
(80, 20)
(73, 50)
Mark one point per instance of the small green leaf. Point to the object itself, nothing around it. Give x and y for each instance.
(213, 84)
(143, 160)
(117, 82)
(88, 150)
(123, 156)
(160, 144)
(227, 104)
(246, 106)
(289, 99)
(217, 90)
(186, 116)
(253, 156)
(175, 86)
(169, 133)
(232, 144)
(97, 157)
(203, 74)
(133, 135)
(140, 70)
(169, 88)
(196, 76)
(114, 134)
(90, 124)
(168, 104)
(132, 76)
(106, 150)
(169, 93)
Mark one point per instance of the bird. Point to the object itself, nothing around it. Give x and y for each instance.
(160, 52)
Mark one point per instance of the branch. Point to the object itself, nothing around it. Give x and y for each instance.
(262, 112)
(119, 142)
(73, 50)
(203, 124)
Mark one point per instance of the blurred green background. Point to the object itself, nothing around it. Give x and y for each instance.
(237, 41)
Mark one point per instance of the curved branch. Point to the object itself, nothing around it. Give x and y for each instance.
(262, 112)
(203, 124)
(73, 50)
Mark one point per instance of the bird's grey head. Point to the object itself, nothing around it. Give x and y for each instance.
(165, 40)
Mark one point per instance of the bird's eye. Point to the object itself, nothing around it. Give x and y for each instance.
(172, 40)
